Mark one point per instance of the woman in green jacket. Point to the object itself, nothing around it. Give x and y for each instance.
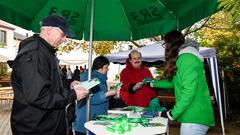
(184, 71)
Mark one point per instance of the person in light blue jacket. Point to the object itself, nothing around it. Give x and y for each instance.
(99, 97)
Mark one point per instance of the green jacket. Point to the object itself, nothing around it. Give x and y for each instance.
(193, 104)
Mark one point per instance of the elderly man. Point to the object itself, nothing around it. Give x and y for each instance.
(39, 96)
(132, 92)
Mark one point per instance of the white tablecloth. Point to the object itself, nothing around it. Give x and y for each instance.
(139, 130)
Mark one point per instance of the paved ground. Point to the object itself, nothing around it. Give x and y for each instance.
(232, 125)
(5, 111)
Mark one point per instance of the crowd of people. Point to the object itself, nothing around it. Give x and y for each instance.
(43, 91)
(68, 76)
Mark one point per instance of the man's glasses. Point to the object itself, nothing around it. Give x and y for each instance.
(163, 45)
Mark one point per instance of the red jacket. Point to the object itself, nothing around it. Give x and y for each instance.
(130, 76)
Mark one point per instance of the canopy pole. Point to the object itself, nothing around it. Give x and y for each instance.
(224, 94)
(88, 105)
(214, 74)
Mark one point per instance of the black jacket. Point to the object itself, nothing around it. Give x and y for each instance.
(39, 97)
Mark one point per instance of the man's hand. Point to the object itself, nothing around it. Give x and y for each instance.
(137, 86)
(73, 84)
(80, 92)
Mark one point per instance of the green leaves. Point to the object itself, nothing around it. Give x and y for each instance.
(221, 34)
(99, 47)
(103, 47)
(232, 8)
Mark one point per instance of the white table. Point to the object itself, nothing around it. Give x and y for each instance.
(139, 130)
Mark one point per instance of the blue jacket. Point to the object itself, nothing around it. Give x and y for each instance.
(99, 102)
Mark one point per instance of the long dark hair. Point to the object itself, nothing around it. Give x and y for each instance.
(173, 40)
(99, 62)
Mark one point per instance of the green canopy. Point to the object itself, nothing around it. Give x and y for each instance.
(118, 20)
(113, 19)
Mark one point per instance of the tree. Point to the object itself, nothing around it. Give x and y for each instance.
(104, 47)
(99, 47)
(221, 34)
(232, 9)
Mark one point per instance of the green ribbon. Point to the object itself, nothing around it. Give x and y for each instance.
(122, 124)
(145, 81)
(154, 106)
(135, 108)
(115, 87)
